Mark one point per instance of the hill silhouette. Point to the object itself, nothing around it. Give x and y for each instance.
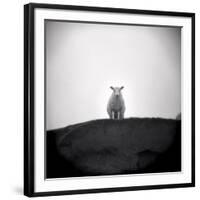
(108, 147)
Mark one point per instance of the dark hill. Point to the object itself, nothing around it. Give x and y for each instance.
(105, 147)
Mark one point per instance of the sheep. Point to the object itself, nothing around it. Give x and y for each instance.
(116, 105)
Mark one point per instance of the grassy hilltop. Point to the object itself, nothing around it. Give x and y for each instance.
(107, 147)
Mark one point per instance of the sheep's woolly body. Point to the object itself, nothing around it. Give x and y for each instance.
(116, 105)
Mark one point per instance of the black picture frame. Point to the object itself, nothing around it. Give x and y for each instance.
(29, 97)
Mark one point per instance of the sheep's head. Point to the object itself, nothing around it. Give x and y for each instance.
(117, 90)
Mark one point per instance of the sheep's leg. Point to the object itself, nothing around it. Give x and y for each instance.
(112, 115)
(121, 116)
(118, 115)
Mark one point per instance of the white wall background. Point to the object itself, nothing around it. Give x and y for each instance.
(11, 101)
(84, 60)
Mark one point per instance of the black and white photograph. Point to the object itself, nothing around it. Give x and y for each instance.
(113, 99)
(108, 99)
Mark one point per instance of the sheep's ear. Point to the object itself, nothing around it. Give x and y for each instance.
(111, 88)
(121, 87)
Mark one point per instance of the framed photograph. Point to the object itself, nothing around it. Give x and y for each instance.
(108, 99)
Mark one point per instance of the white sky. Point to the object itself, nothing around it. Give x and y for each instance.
(84, 60)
